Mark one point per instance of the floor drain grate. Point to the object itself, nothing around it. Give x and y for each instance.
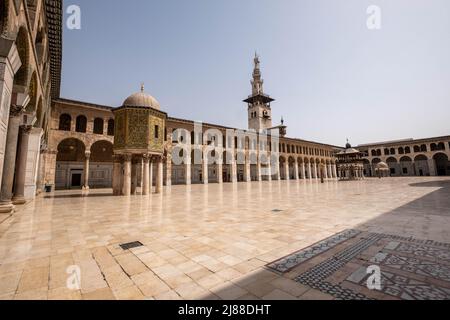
(131, 245)
(277, 210)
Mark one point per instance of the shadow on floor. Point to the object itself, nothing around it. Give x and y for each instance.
(266, 284)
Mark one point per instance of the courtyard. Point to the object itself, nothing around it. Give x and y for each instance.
(258, 240)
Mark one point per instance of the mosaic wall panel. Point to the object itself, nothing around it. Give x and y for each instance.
(119, 129)
(138, 130)
(156, 144)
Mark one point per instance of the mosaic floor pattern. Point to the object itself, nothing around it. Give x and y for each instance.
(410, 269)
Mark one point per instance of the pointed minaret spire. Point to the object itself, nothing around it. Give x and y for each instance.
(257, 82)
(259, 111)
(142, 87)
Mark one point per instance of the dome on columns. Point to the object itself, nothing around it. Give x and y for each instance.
(382, 166)
(141, 99)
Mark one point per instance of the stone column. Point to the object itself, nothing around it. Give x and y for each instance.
(127, 175)
(159, 176)
(146, 176)
(21, 165)
(219, 168)
(87, 156)
(315, 175)
(258, 169)
(150, 178)
(335, 171)
(286, 169)
(205, 167)
(169, 169)
(134, 176)
(233, 168)
(303, 171)
(325, 171)
(269, 168)
(296, 174)
(278, 175)
(117, 167)
(247, 169)
(432, 167)
(41, 173)
(188, 169)
(9, 164)
(9, 65)
(308, 169)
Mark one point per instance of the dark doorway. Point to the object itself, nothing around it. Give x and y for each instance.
(442, 164)
(76, 180)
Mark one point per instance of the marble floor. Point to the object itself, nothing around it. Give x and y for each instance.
(224, 241)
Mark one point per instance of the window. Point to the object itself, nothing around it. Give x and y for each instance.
(405, 170)
(81, 124)
(98, 126)
(65, 122)
(111, 127)
(156, 132)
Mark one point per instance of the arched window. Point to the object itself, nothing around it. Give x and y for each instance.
(386, 152)
(65, 121)
(111, 127)
(433, 147)
(374, 153)
(407, 150)
(392, 151)
(98, 126)
(441, 146)
(416, 149)
(423, 148)
(81, 124)
(401, 150)
(378, 152)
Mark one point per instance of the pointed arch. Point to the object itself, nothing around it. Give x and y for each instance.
(23, 48)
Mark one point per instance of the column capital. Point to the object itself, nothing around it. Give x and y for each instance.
(26, 129)
(15, 111)
(146, 158)
(87, 155)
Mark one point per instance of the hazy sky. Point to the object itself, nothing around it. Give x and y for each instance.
(331, 76)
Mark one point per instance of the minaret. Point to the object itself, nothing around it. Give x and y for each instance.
(259, 111)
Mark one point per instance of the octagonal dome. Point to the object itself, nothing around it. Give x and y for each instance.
(382, 166)
(141, 99)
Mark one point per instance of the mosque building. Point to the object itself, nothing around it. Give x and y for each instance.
(51, 143)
